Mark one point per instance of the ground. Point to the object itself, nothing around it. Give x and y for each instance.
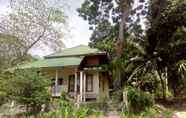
(180, 114)
(179, 111)
(112, 114)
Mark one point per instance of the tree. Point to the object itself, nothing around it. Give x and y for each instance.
(111, 22)
(106, 17)
(35, 24)
(11, 49)
(165, 43)
(154, 56)
(28, 88)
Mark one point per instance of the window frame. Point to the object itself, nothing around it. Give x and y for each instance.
(60, 81)
(91, 84)
(71, 78)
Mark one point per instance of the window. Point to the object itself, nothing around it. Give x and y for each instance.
(89, 83)
(78, 83)
(71, 83)
(60, 81)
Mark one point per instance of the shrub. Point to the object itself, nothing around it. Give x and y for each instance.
(93, 106)
(28, 88)
(67, 110)
(153, 112)
(103, 102)
(138, 100)
(2, 98)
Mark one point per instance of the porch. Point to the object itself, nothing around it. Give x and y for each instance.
(82, 85)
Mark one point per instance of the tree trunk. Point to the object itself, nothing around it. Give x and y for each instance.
(125, 10)
(163, 86)
(120, 43)
(120, 40)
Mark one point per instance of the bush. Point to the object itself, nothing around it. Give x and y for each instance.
(66, 110)
(93, 106)
(103, 102)
(153, 112)
(28, 88)
(2, 98)
(3, 94)
(138, 100)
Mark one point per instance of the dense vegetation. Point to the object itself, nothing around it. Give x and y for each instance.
(26, 88)
(146, 42)
(151, 56)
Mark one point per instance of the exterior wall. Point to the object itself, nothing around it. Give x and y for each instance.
(62, 73)
(95, 82)
(93, 60)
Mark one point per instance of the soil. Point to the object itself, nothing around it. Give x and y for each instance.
(177, 106)
(112, 114)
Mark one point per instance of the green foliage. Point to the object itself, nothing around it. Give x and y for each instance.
(57, 15)
(104, 18)
(93, 106)
(27, 88)
(138, 100)
(11, 49)
(67, 110)
(32, 23)
(152, 112)
(3, 98)
(164, 46)
(103, 102)
(63, 96)
(3, 94)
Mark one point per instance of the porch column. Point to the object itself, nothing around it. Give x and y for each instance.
(97, 88)
(84, 86)
(81, 86)
(75, 87)
(56, 82)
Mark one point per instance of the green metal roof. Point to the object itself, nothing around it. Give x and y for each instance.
(80, 50)
(68, 57)
(54, 62)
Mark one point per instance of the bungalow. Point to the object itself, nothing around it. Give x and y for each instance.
(77, 71)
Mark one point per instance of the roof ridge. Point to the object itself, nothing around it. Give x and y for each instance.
(64, 50)
(74, 51)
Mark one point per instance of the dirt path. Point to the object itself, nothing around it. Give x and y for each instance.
(179, 110)
(112, 114)
(180, 114)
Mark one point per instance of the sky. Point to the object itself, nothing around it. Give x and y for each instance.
(78, 29)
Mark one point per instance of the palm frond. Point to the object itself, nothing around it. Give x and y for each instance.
(181, 66)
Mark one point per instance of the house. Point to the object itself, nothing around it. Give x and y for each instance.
(77, 71)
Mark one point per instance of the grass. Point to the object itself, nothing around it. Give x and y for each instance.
(153, 112)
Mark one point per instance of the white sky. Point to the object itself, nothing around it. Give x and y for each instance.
(79, 28)
(79, 32)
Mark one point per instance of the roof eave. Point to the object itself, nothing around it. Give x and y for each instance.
(78, 55)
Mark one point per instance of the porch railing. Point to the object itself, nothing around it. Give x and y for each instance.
(56, 90)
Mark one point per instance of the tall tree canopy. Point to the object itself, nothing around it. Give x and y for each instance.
(34, 23)
(164, 43)
(108, 18)
(10, 50)
(157, 50)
